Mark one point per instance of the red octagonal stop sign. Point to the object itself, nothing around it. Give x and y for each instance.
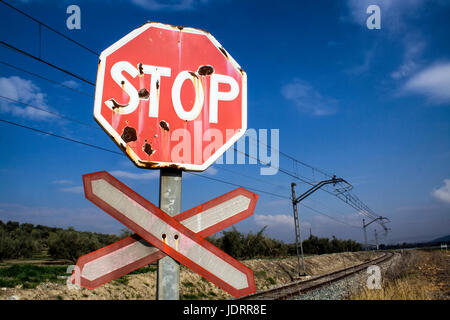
(171, 96)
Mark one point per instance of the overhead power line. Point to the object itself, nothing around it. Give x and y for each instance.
(46, 79)
(49, 28)
(55, 114)
(195, 174)
(345, 196)
(9, 46)
(58, 136)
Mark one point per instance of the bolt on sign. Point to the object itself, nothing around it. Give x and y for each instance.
(171, 96)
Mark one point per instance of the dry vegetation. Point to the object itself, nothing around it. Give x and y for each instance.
(267, 272)
(419, 275)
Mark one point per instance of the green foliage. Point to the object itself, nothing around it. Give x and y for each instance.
(29, 276)
(233, 242)
(260, 274)
(144, 270)
(28, 241)
(188, 284)
(122, 280)
(16, 241)
(189, 297)
(315, 245)
(70, 244)
(256, 245)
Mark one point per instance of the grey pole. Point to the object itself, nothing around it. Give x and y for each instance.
(376, 239)
(168, 274)
(298, 236)
(365, 234)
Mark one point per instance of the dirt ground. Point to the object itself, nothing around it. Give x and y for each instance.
(267, 272)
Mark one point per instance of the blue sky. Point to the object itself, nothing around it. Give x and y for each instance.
(372, 106)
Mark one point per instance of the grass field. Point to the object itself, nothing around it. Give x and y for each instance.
(420, 275)
(29, 275)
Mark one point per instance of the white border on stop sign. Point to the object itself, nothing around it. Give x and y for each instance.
(108, 128)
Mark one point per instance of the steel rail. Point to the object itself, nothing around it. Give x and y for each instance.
(299, 287)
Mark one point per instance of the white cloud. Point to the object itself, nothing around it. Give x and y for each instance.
(62, 181)
(173, 5)
(432, 82)
(211, 171)
(414, 45)
(71, 84)
(404, 70)
(335, 220)
(393, 12)
(398, 24)
(77, 189)
(281, 226)
(154, 174)
(274, 220)
(24, 91)
(443, 193)
(309, 100)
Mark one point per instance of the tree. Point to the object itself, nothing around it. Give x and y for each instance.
(232, 242)
(70, 244)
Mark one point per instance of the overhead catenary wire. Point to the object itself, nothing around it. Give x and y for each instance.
(55, 114)
(46, 79)
(58, 136)
(49, 28)
(195, 174)
(93, 84)
(25, 53)
(348, 198)
(351, 200)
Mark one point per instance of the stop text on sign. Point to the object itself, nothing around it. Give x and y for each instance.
(156, 72)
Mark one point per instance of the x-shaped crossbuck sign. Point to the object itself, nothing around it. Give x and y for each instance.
(181, 237)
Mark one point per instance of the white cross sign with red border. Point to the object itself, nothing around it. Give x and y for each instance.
(157, 234)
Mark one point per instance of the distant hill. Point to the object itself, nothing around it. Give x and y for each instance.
(442, 239)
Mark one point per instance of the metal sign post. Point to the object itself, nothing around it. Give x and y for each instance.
(168, 276)
(140, 103)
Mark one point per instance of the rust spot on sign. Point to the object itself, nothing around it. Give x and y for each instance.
(223, 51)
(157, 84)
(129, 134)
(205, 70)
(114, 105)
(147, 147)
(193, 74)
(163, 124)
(141, 69)
(143, 93)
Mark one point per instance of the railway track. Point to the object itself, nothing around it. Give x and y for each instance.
(299, 287)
